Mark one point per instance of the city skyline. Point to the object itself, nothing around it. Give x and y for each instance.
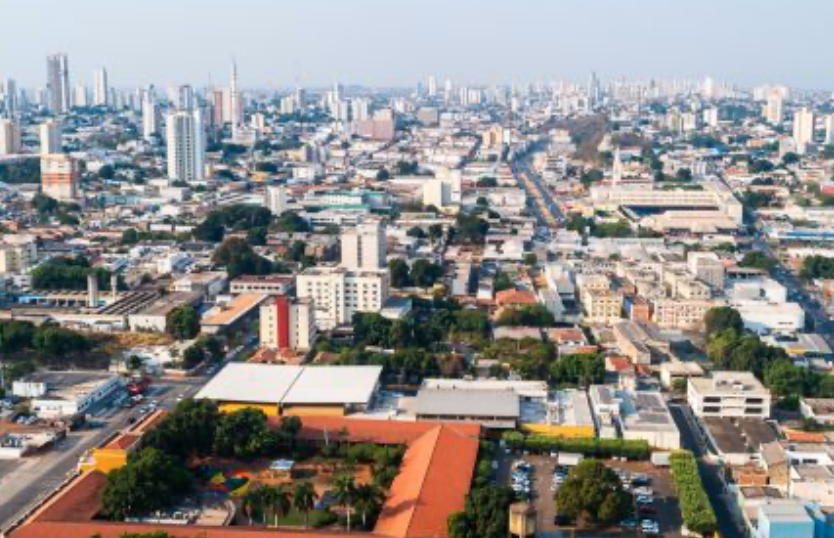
(469, 42)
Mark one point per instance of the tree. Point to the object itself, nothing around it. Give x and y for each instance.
(425, 273)
(683, 174)
(435, 231)
(290, 222)
(190, 429)
(484, 514)
(59, 341)
(344, 490)
(723, 318)
(470, 229)
(253, 503)
(130, 236)
(256, 236)
(149, 482)
(416, 232)
(578, 370)
(304, 500)
(783, 378)
(244, 435)
(758, 260)
(369, 499)
(193, 356)
(593, 492)
(531, 259)
(183, 322)
(502, 282)
(400, 273)
(487, 182)
(536, 315)
(239, 259)
(276, 500)
(817, 267)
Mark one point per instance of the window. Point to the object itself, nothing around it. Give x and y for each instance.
(712, 409)
(712, 399)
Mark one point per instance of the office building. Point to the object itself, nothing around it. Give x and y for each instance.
(803, 130)
(288, 324)
(728, 394)
(635, 415)
(339, 293)
(276, 200)
(186, 145)
(60, 177)
(51, 138)
(364, 247)
(9, 137)
(57, 83)
(101, 89)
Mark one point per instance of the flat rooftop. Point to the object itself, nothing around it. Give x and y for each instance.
(293, 385)
(464, 403)
(237, 307)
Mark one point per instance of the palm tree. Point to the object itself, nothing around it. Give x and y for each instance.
(344, 488)
(304, 500)
(268, 494)
(253, 503)
(277, 501)
(368, 498)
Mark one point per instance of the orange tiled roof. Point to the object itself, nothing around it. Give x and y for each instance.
(515, 297)
(803, 437)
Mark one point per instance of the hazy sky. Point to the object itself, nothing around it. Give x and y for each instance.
(398, 42)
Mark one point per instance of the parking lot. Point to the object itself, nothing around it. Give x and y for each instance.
(663, 509)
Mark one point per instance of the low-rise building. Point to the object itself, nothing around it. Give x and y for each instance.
(634, 415)
(65, 394)
(728, 394)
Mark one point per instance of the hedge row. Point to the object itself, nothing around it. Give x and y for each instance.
(698, 515)
(631, 449)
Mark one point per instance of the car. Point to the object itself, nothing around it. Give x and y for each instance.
(629, 523)
(644, 499)
(644, 491)
(646, 510)
(640, 480)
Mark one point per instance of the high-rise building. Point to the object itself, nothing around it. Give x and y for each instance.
(101, 90)
(79, 96)
(18, 253)
(182, 97)
(51, 138)
(773, 109)
(432, 86)
(364, 247)
(217, 116)
(235, 104)
(150, 114)
(186, 145)
(57, 83)
(803, 130)
(60, 177)
(9, 137)
(288, 324)
(10, 98)
(829, 130)
(711, 117)
(276, 199)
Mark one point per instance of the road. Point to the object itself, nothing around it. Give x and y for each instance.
(547, 211)
(34, 478)
(691, 438)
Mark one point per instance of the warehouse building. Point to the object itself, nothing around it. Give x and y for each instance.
(282, 390)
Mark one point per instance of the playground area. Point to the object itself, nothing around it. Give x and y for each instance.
(232, 479)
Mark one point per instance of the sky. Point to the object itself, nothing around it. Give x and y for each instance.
(280, 43)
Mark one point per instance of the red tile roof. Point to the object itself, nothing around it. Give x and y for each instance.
(434, 480)
(515, 297)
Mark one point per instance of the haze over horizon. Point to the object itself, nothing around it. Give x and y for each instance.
(379, 43)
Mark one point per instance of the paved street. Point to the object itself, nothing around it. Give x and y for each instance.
(23, 483)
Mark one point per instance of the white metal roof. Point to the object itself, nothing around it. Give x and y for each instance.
(258, 383)
(334, 385)
(282, 384)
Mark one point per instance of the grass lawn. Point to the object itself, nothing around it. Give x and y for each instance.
(318, 518)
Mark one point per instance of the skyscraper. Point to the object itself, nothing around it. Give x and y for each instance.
(235, 108)
(57, 83)
(9, 137)
(150, 114)
(803, 130)
(100, 88)
(10, 98)
(829, 130)
(51, 138)
(186, 145)
(79, 96)
(364, 247)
